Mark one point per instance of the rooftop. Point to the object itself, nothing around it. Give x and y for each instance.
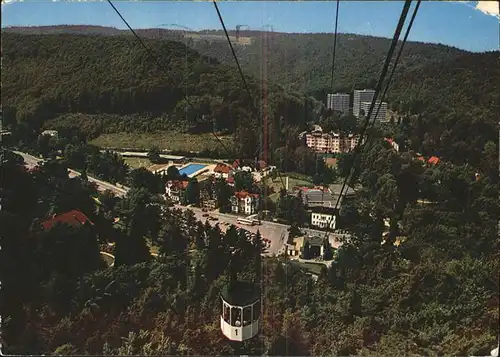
(179, 184)
(222, 168)
(241, 293)
(315, 240)
(74, 218)
(157, 167)
(244, 194)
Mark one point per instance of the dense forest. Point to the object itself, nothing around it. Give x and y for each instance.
(111, 84)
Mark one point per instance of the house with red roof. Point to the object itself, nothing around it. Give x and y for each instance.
(222, 171)
(393, 143)
(175, 190)
(230, 181)
(73, 218)
(243, 202)
(433, 160)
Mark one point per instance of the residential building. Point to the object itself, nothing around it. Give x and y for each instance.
(52, 133)
(318, 141)
(433, 160)
(209, 204)
(318, 244)
(338, 102)
(317, 197)
(244, 203)
(222, 171)
(175, 190)
(315, 247)
(73, 218)
(382, 114)
(364, 95)
(323, 217)
(159, 168)
(393, 143)
(330, 143)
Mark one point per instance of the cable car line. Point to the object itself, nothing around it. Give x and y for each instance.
(389, 81)
(331, 89)
(158, 63)
(233, 52)
(334, 45)
(383, 74)
(259, 147)
(150, 52)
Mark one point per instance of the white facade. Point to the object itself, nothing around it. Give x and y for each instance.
(221, 175)
(364, 95)
(338, 102)
(174, 190)
(239, 330)
(323, 220)
(382, 114)
(246, 205)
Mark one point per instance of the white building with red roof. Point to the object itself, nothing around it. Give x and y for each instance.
(175, 190)
(222, 171)
(243, 202)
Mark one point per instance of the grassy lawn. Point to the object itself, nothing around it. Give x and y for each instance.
(137, 162)
(296, 180)
(164, 140)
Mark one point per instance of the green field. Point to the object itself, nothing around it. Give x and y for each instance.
(137, 162)
(277, 184)
(164, 140)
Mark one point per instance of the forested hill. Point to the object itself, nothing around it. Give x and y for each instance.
(298, 61)
(113, 76)
(302, 62)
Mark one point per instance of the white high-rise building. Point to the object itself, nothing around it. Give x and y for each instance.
(361, 95)
(338, 102)
(382, 114)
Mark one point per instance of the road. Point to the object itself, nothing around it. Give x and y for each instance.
(277, 233)
(31, 161)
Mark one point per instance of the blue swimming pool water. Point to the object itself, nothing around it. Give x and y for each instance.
(191, 168)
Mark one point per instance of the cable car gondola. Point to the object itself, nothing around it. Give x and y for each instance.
(241, 305)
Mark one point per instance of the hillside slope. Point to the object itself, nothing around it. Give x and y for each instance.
(302, 62)
(111, 76)
(297, 61)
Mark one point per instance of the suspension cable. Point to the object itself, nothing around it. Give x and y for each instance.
(415, 10)
(385, 68)
(334, 45)
(259, 147)
(148, 50)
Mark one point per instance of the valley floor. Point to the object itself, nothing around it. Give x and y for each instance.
(164, 140)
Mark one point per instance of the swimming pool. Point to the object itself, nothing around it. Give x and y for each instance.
(191, 168)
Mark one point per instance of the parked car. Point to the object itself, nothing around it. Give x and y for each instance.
(205, 215)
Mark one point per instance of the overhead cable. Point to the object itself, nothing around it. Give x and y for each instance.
(390, 53)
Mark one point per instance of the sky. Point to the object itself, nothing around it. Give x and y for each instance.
(469, 25)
